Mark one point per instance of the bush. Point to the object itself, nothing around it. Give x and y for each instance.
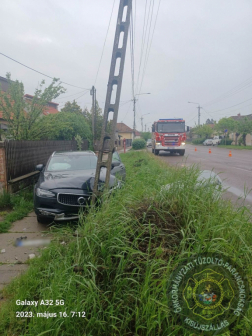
(198, 141)
(138, 144)
(228, 142)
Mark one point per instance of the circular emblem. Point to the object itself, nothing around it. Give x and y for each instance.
(208, 293)
(81, 200)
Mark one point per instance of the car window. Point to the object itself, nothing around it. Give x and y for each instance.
(116, 157)
(72, 162)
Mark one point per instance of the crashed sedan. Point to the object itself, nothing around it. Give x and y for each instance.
(66, 183)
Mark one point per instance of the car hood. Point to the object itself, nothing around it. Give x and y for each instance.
(82, 179)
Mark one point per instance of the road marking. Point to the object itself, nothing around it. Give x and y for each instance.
(242, 169)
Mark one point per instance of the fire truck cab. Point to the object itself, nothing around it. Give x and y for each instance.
(169, 135)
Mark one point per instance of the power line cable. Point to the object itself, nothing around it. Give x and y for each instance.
(155, 23)
(104, 43)
(145, 39)
(126, 113)
(41, 73)
(231, 106)
(148, 41)
(132, 55)
(148, 51)
(235, 90)
(142, 44)
(71, 95)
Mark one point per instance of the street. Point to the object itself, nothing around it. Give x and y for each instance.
(235, 171)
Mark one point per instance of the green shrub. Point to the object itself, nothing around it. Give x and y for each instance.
(198, 141)
(228, 142)
(138, 144)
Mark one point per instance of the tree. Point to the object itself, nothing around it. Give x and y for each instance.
(23, 116)
(66, 126)
(244, 127)
(72, 107)
(203, 131)
(98, 120)
(146, 135)
(228, 124)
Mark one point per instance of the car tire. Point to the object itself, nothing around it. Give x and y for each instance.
(182, 152)
(43, 220)
(156, 152)
(152, 150)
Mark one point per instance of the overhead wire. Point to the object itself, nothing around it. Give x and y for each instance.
(235, 90)
(145, 39)
(230, 106)
(41, 73)
(132, 56)
(142, 44)
(155, 23)
(148, 40)
(104, 43)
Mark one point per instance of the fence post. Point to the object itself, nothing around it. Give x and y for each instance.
(3, 174)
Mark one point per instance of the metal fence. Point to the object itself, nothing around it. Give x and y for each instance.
(23, 156)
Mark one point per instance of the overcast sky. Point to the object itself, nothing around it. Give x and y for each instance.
(201, 50)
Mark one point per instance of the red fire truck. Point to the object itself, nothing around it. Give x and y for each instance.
(169, 135)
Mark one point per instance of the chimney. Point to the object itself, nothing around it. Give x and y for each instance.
(239, 114)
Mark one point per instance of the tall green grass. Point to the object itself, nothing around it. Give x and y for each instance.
(15, 207)
(116, 269)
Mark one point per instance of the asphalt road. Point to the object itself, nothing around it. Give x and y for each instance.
(235, 171)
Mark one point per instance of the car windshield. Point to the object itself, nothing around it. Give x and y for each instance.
(171, 127)
(72, 162)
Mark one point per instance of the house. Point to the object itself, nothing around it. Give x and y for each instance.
(4, 84)
(248, 136)
(125, 132)
(51, 108)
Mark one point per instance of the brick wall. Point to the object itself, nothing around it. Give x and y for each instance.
(3, 182)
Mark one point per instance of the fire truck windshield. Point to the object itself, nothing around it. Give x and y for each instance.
(178, 127)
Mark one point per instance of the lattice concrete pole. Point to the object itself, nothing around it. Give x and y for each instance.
(122, 26)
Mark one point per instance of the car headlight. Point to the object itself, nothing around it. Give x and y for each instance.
(158, 143)
(44, 193)
(182, 143)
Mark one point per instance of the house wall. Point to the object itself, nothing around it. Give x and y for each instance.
(248, 138)
(125, 135)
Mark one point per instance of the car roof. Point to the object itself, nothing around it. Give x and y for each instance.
(86, 153)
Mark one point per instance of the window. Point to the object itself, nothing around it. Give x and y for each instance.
(72, 162)
(172, 127)
(116, 157)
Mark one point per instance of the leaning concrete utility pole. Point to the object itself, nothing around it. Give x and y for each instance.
(122, 28)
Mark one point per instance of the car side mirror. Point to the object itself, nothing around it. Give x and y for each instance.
(39, 167)
(115, 164)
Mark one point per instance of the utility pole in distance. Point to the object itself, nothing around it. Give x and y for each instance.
(134, 110)
(199, 107)
(134, 123)
(93, 94)
(142, 120)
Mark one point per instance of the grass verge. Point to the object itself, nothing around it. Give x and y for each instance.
(14, 207)
(116, 268)
(235, 147)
